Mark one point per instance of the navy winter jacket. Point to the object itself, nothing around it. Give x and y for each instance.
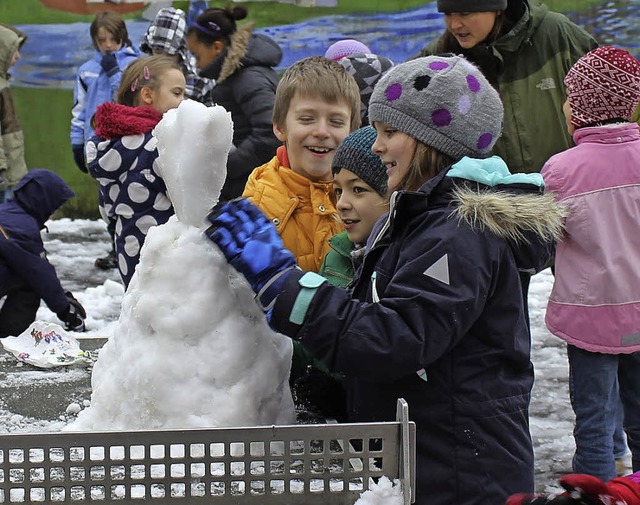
(436, 317)
(38, 195)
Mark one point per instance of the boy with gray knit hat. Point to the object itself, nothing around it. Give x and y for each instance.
(360, 184)
(435, 313)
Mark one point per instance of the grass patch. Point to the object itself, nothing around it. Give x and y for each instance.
(262, 13)
(45, 116)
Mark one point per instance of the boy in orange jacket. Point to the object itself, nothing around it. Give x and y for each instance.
(317, 105)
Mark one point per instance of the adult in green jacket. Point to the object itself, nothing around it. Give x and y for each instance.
(525, 51)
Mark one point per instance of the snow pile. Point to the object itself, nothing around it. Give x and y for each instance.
(384, 492)
(191, 349)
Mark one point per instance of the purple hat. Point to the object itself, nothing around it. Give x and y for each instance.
(345, 47)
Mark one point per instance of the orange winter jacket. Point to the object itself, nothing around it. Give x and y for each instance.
(302, 210)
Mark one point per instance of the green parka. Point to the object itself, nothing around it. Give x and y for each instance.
(527, 66)
(12, 164)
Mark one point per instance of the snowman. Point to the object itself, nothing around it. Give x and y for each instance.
(191, 348)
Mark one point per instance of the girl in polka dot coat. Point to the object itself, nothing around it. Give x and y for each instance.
(435, 313)
(122, 156)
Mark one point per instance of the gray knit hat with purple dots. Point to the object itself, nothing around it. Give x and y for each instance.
(442, 101)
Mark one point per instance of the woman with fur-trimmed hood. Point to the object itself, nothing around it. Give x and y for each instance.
(242, 64)
(435, 314)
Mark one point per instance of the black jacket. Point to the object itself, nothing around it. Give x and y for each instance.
(38, 195)
(436, 317)
(246, 87)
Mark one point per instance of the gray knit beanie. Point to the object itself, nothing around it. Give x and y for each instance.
(355, 154)
(471, 5)
(442, 101)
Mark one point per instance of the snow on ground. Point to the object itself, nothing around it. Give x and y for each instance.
(73, 246)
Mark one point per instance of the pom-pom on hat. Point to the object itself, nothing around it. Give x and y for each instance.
(442, 101)
(367, 69)
(355, 154)
(471, 5)
(603, 85)
(345, 47)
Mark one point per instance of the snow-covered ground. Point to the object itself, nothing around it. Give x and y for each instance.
(73, 246)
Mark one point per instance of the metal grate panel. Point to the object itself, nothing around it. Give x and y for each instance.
(298, 464)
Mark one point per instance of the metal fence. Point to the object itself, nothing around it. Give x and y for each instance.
(295, 464)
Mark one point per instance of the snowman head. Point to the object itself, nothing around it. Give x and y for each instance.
(193, 144)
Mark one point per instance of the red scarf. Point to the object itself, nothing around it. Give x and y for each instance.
(116, 120)
(283, 156)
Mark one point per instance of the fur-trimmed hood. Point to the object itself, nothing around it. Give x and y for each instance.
(515, 217)
(484, 195)
(530, 222)
(246, 49)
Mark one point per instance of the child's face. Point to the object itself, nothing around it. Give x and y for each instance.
(396, 150)
(105, 41)
(312, 131)
(566, 110)
(14, 58)
(359, 205)
(169, 94)
(204, 53)
(470, 28)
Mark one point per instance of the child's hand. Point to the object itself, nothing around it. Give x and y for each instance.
(78, 157)
(75, 314)
(251, 244)
(109, 63)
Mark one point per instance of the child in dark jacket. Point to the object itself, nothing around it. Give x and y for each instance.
(242, 63)
(122, 155)
(435, 314)
(26, 277)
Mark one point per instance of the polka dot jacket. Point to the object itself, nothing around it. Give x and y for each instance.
(132, 195)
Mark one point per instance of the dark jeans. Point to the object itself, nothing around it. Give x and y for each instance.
(19, 308)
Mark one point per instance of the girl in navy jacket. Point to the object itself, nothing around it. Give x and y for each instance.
(435, 314)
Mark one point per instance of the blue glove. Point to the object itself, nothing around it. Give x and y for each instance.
(109, 64)
(251, 244)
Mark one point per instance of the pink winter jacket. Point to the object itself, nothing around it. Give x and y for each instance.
(595, 301)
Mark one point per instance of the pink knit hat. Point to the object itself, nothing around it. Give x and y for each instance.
(345, 47)
(603, 85)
